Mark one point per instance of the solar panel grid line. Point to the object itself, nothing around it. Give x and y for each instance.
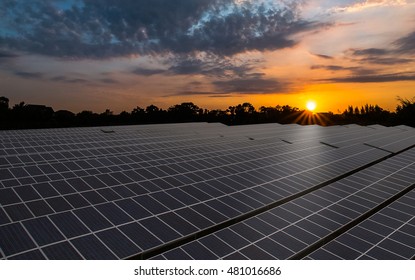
(67, 239)
(298, 255)
(109, 153)
(361, 256)
(31, 237)
(378, 244)
(362, 137)
(6, 217)
(148, 253)
(204, 175)
(2, 255)
(351, 136)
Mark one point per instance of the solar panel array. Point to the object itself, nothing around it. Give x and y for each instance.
(208, 191)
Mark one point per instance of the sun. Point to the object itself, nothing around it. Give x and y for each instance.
(311, 106)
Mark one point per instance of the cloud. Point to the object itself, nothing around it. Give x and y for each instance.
(323, 56)
(7, 57)
(332, 67)
(108, 28)
(353, 70)
(385, 78)
(4, 54)
(68, 80)
(359, 5)
(213, 66)
(406, 44)
(369, 52)
(29, 75)
(250, 86)
(237, 87)
(209, 65)
(108, 81)
(386, 60)
(59, 79)
(147, 72)
(378, 56)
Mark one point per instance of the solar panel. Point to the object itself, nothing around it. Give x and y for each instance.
(307, 221)
(388, 234)
(198, 191)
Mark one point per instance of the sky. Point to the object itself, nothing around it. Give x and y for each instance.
(119, 54)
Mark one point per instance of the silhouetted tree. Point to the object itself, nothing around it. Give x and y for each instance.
(152, 109)
(4, 108)
(64, 118)
(243, 113)
(4, 103)
(87, 118)
(23, 115)
(155, 115)
(184, 112)
(405, 111)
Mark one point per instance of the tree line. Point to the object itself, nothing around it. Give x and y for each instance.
(23, 116)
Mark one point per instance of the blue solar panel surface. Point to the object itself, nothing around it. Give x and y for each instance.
(208, 191)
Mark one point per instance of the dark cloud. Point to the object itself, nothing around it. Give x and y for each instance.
(77, 81)
(250, 86)
(213, 66)
(353, 70)
(108, 81)
(237, 87)
(68, 80)
(323, 56)
(208, 65)
(377, 56)
(385, 60)
(406, 44)
(147, 72)
(370, 52)
(7, 57)
(29, 75)
(110, 28)
(390, 55)
(190, 93)
(396, 77)
(59, 79)
(4, 54)
(332, 67)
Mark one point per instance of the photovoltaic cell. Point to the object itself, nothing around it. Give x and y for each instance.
(92, 218)
(91, 248)
(143, 187)
(8, 196)
(39, 207)
(69, 224)
(59, 204)
(140, 235)
(18, 212)
(14, 239)
(160, 229)
(61, 251)
(43, 231)
(118, 243)
(27, 193)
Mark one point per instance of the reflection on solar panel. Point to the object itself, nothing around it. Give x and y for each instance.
(208, 191)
